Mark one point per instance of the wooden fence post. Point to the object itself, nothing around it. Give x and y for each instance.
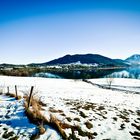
(8, 90)
(30, 96)
(16, 92)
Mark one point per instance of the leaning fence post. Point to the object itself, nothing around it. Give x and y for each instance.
(16, 91)
(30, 96)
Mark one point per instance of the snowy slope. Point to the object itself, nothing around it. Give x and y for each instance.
(100, 113)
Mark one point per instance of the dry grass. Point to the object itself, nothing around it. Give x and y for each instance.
(55, 111)
(82, 114)
(35, 116)
(59, 126)
(88, 125)
(136, 126)
(35, 98)
(13, 95)
(34, 112)
(83, 133)
(77, 119)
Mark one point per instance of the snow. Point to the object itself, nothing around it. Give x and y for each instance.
(13, 119)
(12, 116)
(75, 102)
(120, 83)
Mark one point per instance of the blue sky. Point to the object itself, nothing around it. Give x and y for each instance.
(41, 30)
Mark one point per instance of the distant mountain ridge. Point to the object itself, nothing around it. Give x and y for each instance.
(134, 59)
(89, 59)
(84, 59)
(10, 65)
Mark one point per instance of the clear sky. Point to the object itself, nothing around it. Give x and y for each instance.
(41, 30)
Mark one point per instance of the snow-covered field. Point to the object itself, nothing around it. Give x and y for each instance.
(15, 125)
(120, 83)
(97, 113)
(13, 122)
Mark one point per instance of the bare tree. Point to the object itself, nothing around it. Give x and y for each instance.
(109, 81)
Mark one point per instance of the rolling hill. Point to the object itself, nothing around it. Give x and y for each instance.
(83, 59)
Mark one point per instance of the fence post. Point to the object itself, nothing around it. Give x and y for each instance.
(16, 91)
(8, 90)
(30, 96)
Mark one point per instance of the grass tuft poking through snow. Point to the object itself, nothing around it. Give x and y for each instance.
(36, 117)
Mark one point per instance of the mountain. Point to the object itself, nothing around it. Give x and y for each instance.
(4, 65)
(122, 61)
(134, 59)
(83, 59)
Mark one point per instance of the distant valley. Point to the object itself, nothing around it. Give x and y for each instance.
(79, 66)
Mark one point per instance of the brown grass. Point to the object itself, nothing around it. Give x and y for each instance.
(34, 102)
(83, 133)
(77, 119)
(82, 114)
(13, 95)
(55, 111)
(69, 119)
(136, 126)
(35, 116)
(88, 125)
(41, 129)
(59, 126)
(33, 112)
